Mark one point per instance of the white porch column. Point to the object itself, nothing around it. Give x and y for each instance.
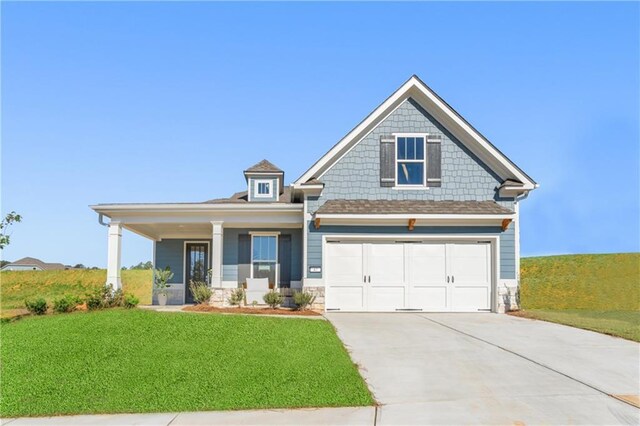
(114, 257)
(216, 253)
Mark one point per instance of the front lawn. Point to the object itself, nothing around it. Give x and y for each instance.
(120, 361)
(625, 324)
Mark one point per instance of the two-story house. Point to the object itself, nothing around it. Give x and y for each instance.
(412, 210)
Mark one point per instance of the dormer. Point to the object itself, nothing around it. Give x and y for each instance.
(265, 182)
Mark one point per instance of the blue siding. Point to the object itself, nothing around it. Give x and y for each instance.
(357, 176)
(230, 252)
(170, 252)
(253, 189)
(507, 251)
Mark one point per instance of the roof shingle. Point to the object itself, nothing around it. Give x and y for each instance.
(264, 166)
(411, 207)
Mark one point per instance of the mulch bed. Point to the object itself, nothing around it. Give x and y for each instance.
(247, 310)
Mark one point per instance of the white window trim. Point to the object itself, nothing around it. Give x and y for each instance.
(423, 161)
(257, 182)
(266, 234)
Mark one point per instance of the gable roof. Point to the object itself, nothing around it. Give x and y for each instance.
(264, 166)
(32, 261)
(417, 90)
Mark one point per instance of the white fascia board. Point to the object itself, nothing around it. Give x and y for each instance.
(107, 209)
(417, 90)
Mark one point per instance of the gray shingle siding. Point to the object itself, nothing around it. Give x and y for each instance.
(357, 176)
(253, 190)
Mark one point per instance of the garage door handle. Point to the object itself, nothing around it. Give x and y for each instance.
(447, 278)
(364, 278)
(453, 279)
(369, 278)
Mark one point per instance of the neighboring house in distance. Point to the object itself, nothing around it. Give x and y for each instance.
(32, 264)
(413, 210)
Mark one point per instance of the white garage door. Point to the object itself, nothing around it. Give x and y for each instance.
(394, 276)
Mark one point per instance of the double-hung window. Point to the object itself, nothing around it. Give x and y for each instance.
(264, 188)
(264, 257)
(410, 160)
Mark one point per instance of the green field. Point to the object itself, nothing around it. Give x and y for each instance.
(123, 361)
(599, 292)
(18, 286)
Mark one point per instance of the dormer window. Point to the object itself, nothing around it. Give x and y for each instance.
(264, 188)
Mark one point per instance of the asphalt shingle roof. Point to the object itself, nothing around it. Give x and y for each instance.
(28, 261)
(241, 197)
(411, 207)
(264, 166)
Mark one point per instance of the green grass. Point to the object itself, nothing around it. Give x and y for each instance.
(625, 324)
(120, 361)
(20, 285)
(599, 292)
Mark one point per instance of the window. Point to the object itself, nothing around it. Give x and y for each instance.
(264, 188)
(264, 257)
(410, 160)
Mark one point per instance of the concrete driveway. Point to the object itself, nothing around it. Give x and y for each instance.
(490, 369)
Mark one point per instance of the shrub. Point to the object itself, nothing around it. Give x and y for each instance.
(37, 307)
(303, 299)
(105, 297)
(130, 301)
(237, 297)
(66, 304)
(273, 299)
(201, 292)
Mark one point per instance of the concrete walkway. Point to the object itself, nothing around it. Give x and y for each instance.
(490, 369)
(311, 416)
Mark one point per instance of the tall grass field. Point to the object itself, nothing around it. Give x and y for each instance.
(599, 292)
(17, 286)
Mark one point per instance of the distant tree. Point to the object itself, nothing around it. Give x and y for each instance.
(79, 266)
(124, 268)
(94, 268)
(4, 262)
(7, 221)
(143, 265)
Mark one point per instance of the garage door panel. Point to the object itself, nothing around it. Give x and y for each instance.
(428, 298)
(385, 264)
(427, 264)
(469, 263)
(386, 298)
(346, 298)
(470, 298)
(344, 264)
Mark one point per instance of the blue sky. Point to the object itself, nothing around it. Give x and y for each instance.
(144, 102)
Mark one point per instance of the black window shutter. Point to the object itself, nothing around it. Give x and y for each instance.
(387, 160)
(284, 259)
(434, 160)
(244, 258)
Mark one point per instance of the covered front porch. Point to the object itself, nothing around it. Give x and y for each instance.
(222, 245)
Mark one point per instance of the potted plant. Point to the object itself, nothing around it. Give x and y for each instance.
(161, 279)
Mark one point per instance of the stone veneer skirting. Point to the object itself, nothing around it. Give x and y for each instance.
(507, 299)
(318, 303)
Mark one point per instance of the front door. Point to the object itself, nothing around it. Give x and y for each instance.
(197, 264)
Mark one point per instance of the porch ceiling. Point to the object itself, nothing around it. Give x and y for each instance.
(158, 231)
